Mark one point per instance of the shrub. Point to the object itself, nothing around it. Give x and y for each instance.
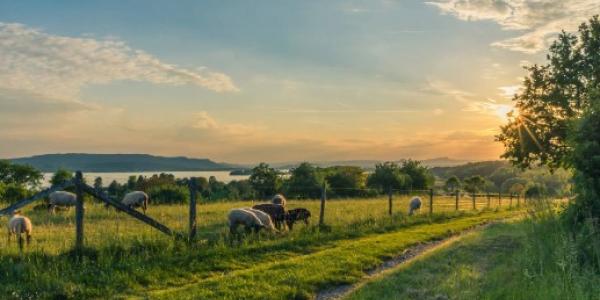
(168, 194)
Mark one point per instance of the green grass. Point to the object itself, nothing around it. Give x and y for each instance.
(522, 260)
(126, 257)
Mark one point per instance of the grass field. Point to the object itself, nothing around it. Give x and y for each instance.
(527, 259)
(127, 258)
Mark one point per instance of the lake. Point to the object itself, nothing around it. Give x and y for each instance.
(121, 177)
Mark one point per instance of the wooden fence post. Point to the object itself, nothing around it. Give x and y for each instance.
(193, 192)
(323, 198)
(79, 211)
(430, 202)
(499, 199)
(473, 196)
(518, 200)
(510, 203)
(488, 199)
(390, 201)
(457, 192)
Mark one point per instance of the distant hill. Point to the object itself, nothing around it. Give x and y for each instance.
(483, 168)
(370, 164)
(119, 163)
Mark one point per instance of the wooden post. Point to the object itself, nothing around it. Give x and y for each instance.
(193, 192)
(430, 202)
(390, 201)
(499, 199)
(79, 211)
(488, 199)
(510, 203)
(323, 198)
(473, 196)
(518, 200)
(456, 198)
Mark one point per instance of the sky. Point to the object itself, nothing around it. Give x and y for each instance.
(249, 81)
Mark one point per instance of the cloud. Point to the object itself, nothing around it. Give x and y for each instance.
(509, 91)
(58, 67)
(537, 21)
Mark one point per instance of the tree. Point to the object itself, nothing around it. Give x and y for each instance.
(98, 184)
(474, 184)
(420, 176)
(131, 182)
(557, 120)
(346, 181)
(61, 176)
(304, 182)
(265, 180)
(388, 175)
(452, 184)
(24, 175)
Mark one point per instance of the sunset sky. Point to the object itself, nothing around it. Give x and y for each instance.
(248, 81)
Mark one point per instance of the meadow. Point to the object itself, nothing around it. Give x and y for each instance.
(125, 258)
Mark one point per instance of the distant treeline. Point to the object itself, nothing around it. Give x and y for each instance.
(306, 181)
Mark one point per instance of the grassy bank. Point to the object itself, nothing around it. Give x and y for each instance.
(127, 257)
(531, 259)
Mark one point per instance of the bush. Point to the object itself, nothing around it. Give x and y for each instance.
(168, 194)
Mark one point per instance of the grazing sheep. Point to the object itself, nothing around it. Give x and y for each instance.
(415, 204)
(18, 225)
(279, 199)
(275, 211)
(264, 218)
(297, 214)
(240, 216)
(61, 199)
(136, 199)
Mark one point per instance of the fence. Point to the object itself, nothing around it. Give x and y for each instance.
(330, 210)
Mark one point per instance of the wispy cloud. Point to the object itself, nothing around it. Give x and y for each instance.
(535, 20)
(58, 67)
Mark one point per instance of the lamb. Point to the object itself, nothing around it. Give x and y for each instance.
(279, 199)
(18, 225)
(61, 199)
(240, 216)
(298, 214)
(275, 211)
(136, 199)
(264, 218)
(415, 204)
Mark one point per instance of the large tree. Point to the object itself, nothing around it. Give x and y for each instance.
(556, 120)
(265, 180)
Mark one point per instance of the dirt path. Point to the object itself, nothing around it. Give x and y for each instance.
(406, 257)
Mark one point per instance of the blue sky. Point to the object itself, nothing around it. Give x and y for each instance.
(248, 81)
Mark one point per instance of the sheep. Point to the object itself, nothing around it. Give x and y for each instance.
(61, 199)
(136, 199)
(279, 199)
(415, 203)
(240, 216)
(297, 214)
(18, 225)
(264, 218)
(275, 211)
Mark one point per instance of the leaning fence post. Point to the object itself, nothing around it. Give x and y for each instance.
(390, 201)
(79, 210)
(457, 196)
(193, 192)
(323, 198)
(473, 196)
(430, 202)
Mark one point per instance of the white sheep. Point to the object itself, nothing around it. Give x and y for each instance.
(415, 203)
(136, 199)
(264, 218)
(240, 216)
(61, 199)
(19, 225)
(279, 199)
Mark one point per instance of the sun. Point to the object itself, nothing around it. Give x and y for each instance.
(506, 112)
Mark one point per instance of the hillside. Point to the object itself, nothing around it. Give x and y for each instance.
(119, 163)
(483, 168)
